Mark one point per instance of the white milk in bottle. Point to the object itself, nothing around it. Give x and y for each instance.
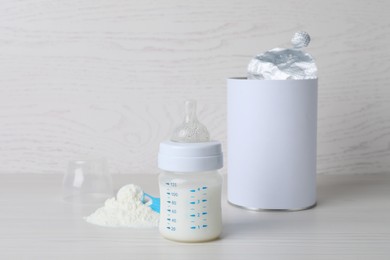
(190, 185)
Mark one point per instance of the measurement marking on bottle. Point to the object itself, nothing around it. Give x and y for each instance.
(204, 187)
(204, 213)
(204, 200)
(199, 226)
(192, 190)
(171, 228)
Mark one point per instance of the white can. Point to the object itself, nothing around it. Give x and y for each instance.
(272, 129)
(190, 191)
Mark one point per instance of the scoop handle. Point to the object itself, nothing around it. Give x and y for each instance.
(155, 206)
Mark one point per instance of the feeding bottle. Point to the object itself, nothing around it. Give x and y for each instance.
(190, 184)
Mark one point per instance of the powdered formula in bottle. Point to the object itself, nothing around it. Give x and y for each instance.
(190, 185)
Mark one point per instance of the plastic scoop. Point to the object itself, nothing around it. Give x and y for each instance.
(151, 201)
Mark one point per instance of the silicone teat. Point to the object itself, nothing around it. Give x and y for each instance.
(191, 131)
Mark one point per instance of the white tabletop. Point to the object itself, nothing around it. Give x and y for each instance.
(351, 221)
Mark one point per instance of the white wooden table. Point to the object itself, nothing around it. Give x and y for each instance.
(351, 221)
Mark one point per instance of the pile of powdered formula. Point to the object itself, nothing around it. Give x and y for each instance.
(126, 210)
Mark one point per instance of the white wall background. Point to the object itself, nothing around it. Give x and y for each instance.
(108, 78)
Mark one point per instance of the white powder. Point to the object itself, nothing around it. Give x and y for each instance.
(127, 210)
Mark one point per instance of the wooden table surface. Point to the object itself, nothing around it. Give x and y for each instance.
(351, 221)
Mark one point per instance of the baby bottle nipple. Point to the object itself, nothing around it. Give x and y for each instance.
(191, 131)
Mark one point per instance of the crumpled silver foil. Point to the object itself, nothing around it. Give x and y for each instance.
(282, 64)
